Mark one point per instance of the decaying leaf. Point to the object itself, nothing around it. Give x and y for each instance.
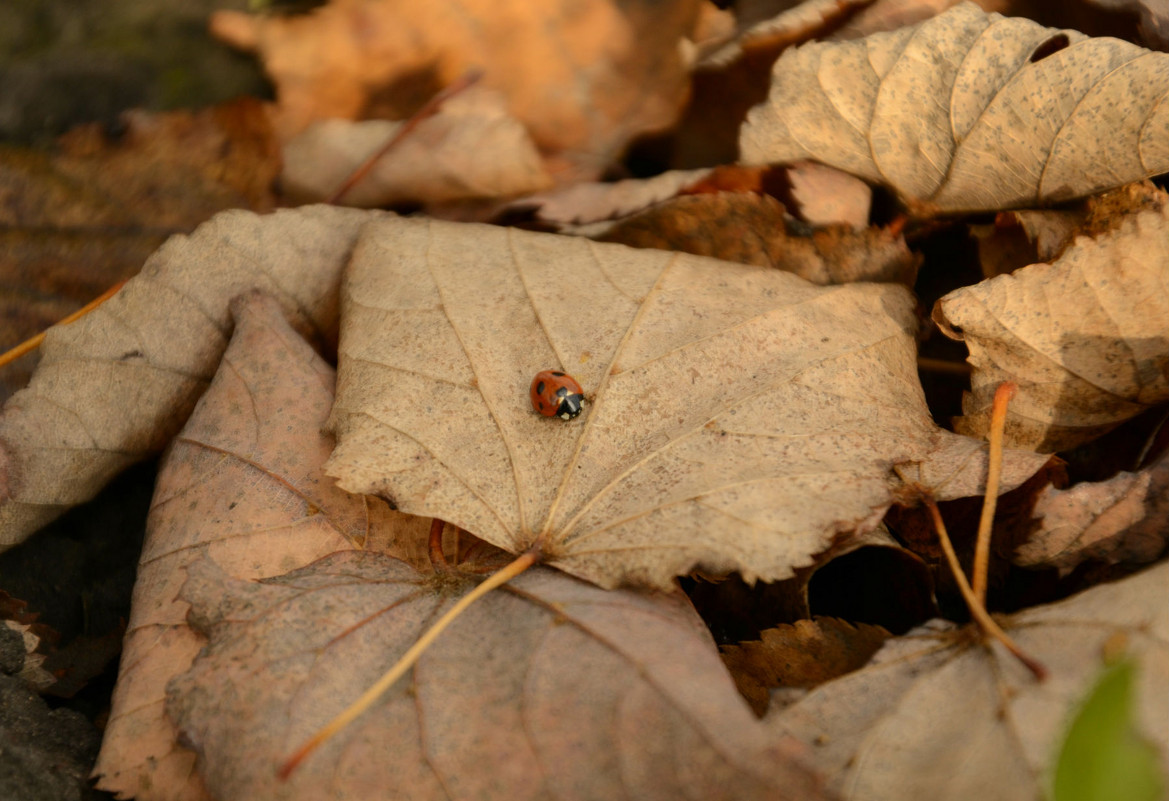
(803, 654)
(737, 418)
(937, 716)
(751, 229)
(970, 111)
(1122, 519)
(471, 149)
(1086, 338)
(114, 387)
(548, 688)
(1020, 238)
(241, 486)
(584, 77)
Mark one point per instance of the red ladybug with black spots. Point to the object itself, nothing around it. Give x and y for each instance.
(556, 394)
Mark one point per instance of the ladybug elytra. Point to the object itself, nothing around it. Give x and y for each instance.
(556, 394)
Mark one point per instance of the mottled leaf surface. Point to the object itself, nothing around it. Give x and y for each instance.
(970, 111)
(548, 688)
(737, 418)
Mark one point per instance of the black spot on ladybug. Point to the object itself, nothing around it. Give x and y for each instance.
(540, 388)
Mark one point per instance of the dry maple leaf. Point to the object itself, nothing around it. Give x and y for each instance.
(737, 418)
(936, 715)
(470, 149)
(548, 688)
(242, 486)
(1122, 519)
(1086, 338)
(584, 77)
(115, 386)
(970, 111)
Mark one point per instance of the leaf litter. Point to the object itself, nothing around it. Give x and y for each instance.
(240, 486)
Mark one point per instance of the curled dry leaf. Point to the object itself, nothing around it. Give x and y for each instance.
(1028, 115)
(802, 654)
(752, 229)
(1123, 519)
(937, 715)
(546, 688)
(1086, 338)
(737, 418)
(115, 386)
(471, 149)
(1019, 238)
(584, 76)
(241, 486)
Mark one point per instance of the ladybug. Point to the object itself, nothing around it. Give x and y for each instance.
(556, 394)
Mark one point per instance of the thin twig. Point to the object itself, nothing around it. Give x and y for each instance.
(977, 610)
(429, 110)
(994, 473)
(33, 343)
(931, 365)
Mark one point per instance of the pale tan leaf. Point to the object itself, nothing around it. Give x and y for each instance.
(115, 386)
(588, 202)
(737, 418)
(546, 689)
(1086, 338)
(970, 111)
(241, 486)
(471, 149)
(936, 715)
(1122, 519)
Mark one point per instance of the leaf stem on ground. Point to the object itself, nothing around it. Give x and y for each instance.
(370, 696)
(33, 343)
(977, 610)
(994, 474)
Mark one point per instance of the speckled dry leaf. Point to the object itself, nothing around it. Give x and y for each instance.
(1086, 338)
(242, 486)
(588, 202)
(737, 418)
(1122, 519)
(548, 688)
(970, 111)
(803, 654)
(584, 76)
(471, 149)
(937, 716)
(114, 387)
(751, 229)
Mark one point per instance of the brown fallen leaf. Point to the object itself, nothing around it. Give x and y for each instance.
(115, 386)
(471, 149)
(737, 418)
(549, 688)
(752, 229)
(241, 486)
(937, 715)
(1086, 338)
(1123, 519)
(590, 202)
(79, 219)
(1020, 238)
(802, 654)
(585, 78)
(1030, 116)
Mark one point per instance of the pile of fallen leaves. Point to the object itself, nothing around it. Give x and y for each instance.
(754, 237)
